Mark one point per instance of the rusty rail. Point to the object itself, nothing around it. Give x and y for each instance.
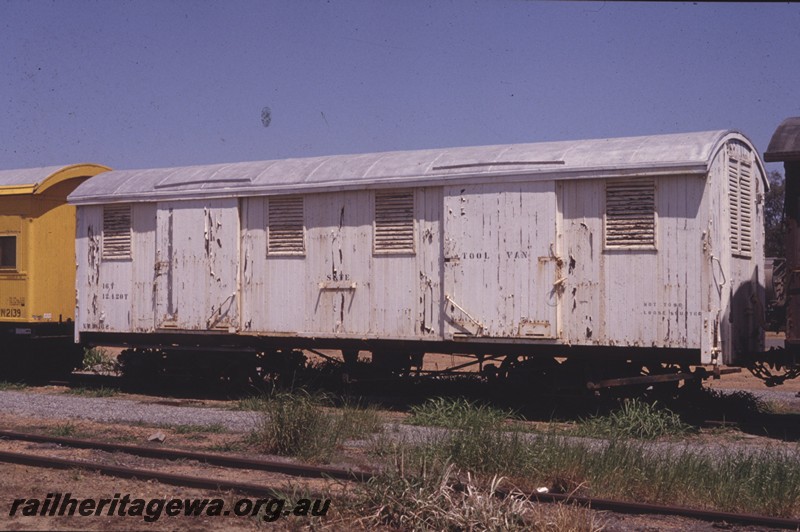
(657, 509)
(203, 483)
(237, 462)
(323, 472)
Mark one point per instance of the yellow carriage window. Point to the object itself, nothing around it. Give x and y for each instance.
(8, 252)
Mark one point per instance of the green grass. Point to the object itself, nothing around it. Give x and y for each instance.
(358, 420)
(766, 481)
(64, 430)
(624, 466)
(99, 360)
(251, 404)
(457, 413)
(12, 386)
(93, 392)
(481, 449)
(306, 425)
(635, 419)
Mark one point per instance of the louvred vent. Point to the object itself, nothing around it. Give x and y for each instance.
(117, 232)
(631, 213)
(286, 231)
(394, 222)
(740, 195)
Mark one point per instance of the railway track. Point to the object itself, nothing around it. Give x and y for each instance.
(308, 471)
(228, 461)
(145, 474)
(658, 509)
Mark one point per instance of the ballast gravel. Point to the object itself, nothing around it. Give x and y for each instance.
(116, 410)
(120, 410)
(788, 399)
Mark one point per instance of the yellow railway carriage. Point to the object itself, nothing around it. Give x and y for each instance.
(37, 260)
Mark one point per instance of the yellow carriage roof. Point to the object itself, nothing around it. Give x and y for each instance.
(37, 180)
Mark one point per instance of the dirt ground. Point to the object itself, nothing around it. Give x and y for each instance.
(24, 482)
(745, 380)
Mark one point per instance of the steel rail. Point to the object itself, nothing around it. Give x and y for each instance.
(657, 509)
(325, 472)
(236, 462)
(244, 488)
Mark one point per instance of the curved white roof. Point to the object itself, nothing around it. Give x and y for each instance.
(647, 155)
(32, 180)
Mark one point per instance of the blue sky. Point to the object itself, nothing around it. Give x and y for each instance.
(150, 84)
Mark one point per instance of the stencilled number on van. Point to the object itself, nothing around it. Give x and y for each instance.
(110, 294)
(10, 313)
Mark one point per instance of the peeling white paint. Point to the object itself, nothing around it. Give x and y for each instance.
(522, 258)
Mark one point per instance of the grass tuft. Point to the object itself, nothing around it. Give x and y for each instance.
(635, 419)
(251, 404)
(93, 392)
(98, 360)
(306, 425)
(457, 413)
(358, 420)
(429, 500)
(64, 430)
(6, 386)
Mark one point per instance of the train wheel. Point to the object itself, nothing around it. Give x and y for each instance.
(392, 362)
(139, 364)
(350, 357)
(280, 366)
(538, 375)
